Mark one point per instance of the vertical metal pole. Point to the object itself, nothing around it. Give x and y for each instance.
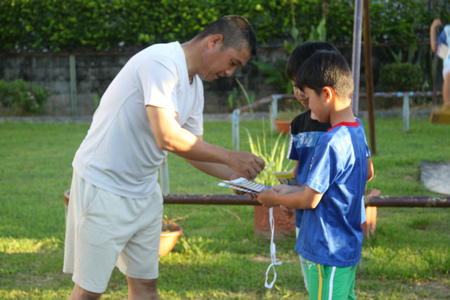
(164, 176)
(405, 113)
(273, 111)
(235, 129)
(356, 57)
(73, 85)
(369, 77)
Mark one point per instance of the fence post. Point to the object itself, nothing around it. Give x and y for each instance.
(73, 85)
(235, 129)
(273, 111)
(164, 176)
(405, 112)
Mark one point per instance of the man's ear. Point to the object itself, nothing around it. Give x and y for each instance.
(329, 93)
(215, 40)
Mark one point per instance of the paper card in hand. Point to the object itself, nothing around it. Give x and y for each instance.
(242, 184)
(286, 177)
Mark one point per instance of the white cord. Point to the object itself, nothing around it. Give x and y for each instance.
(272, 252)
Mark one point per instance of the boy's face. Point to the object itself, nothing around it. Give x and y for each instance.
(300, 95)
(318, 105)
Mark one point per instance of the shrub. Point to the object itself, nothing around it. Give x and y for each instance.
(22, 98)
(55, 25)
(401, 77)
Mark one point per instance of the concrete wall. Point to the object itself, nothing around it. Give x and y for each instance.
(94, 72)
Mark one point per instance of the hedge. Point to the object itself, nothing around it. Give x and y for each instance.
(62, 25)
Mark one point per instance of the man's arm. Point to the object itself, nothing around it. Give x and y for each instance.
(170, 136)
(214, 169)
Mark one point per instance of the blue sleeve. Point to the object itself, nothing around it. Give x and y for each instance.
(442, 38)
(324, 168)
(292, 151)
(365, 140)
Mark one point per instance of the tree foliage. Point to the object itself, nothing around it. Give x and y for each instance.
(57, 25)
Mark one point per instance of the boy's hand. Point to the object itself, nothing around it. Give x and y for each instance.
(288, 212)
(286, 189)
(266, 198)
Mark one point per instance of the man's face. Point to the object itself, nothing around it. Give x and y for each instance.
(222, 63)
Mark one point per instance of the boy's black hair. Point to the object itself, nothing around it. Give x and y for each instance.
(326, 68)
(302, 52)
(236, 30)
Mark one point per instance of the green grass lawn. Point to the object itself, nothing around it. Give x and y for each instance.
(218, 256)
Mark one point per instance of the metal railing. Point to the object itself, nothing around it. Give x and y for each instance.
(272, 101)
(231, 199)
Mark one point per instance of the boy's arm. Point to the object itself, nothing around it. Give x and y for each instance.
(294, 171)
(370, 170)
(302, 197)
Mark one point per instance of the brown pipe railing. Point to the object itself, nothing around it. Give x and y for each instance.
(231, 199)
(381, 201)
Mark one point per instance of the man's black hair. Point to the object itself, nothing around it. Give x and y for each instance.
(236, 31)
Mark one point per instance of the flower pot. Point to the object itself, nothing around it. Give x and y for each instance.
(283, 126)
(282, 223)
(168, 241)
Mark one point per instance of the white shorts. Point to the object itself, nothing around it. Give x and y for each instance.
(445, 69)
(104, 230)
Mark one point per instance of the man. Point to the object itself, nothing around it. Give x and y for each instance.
(154, 105)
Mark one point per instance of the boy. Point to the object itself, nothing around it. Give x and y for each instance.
(306, 129)
(330, 236)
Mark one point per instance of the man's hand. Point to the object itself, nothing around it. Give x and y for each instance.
(245, 163)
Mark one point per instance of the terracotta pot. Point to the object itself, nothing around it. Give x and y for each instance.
(282, 126)
(168, 241)
(283, 223)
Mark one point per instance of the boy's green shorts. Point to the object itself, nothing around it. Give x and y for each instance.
(325, 282)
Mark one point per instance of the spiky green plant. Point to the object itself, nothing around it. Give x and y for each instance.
(274, 155)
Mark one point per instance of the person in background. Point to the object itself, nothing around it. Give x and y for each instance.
(441, 46)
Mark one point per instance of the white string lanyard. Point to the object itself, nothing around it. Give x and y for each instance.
(272, 252)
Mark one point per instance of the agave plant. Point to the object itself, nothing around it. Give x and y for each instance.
(273, 154)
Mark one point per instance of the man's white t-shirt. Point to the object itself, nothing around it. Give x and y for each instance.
(119, 153)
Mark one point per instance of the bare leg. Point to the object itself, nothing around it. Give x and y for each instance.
(142, 289)
(446, 91)
(80, 293)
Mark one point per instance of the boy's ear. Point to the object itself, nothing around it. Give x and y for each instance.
(329, 93)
